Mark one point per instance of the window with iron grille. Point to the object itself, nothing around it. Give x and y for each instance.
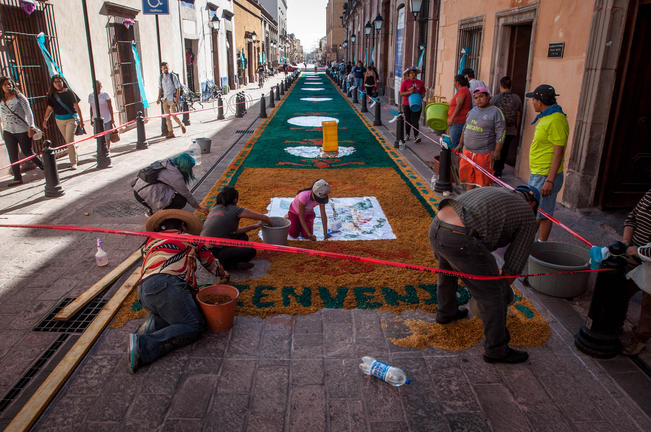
(470, 39)
(22, 60)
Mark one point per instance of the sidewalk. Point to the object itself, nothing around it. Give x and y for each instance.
(285, 373)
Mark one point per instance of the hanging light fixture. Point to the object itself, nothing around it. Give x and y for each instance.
(378, 22)
(415, 6)
(367, 28)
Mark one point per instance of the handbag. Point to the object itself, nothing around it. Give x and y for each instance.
(79, 130)
(115, 136)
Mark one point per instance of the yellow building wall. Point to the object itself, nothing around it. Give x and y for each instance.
(566, 21)
(248, 20)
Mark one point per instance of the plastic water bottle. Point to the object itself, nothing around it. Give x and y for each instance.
(392, 375)
(432, 182)
(597, 255)
(402, 145)
(195, 152)
(100, 257)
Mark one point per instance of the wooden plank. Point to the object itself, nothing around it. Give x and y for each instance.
(77, 304)
(35, 406)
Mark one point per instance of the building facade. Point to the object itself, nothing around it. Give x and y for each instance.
(335, 32)
(248, 35)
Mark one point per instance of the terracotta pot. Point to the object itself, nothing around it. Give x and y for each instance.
(219, 317)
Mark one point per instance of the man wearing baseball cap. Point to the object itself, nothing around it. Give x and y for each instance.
(463, 235)
(481, 140)
(547, 152)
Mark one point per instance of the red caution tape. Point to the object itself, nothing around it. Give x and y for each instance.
(286, 249)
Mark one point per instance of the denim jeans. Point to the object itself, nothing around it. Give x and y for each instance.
(177, 320)
(547, 203)
(459, 251)
(456, 129)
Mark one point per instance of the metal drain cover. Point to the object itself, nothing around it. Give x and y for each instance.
(120, 208)
(76, 324)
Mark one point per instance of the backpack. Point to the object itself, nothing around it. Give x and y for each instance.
(160, 82)
(150, 174)
(505, 103)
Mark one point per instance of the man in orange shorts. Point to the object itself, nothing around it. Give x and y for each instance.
(481, 140)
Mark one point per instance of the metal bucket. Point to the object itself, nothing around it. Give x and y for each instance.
(551, 257)
(277, 232)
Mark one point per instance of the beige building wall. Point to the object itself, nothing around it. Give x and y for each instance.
(249, 19)
(555, 21)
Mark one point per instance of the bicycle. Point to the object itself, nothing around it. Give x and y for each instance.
(212, 92)
(191, 97)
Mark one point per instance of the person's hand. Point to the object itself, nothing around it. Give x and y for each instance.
(157, 101)
(450, 122)
(496, 154)
(631, 251)
(176, 102)
(81, 124)
(327, 236)
(44, 125)
(260, 224)
(547, 188)
(30, 132)
(312, 237)
(204, 210)
(225, 278)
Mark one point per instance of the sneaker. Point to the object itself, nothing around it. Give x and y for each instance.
(511, 357)
(461, 314)
(407, 138)
(73, 167)
(417, 140)
(146, 326)
(183, 129)
(132, 353)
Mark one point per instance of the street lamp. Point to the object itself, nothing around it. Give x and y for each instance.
(214, 22)
(415, 6)
(254, 36)
(367, 28)
(378, 22)
(352, 40)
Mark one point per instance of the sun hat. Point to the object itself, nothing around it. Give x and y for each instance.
(482, 89)
(321, 189)
(193, 223)
(544, 93)
(410, 69)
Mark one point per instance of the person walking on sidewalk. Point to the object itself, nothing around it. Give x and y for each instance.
(481, 141)
(18, 127)
(359, 72)
(411, 85)
(511, 106)
(547, 151)
(223, 222)
(170, 190)
(105, 110)
(463, 235)
(169, 93)
(64, 103)
(167, 288)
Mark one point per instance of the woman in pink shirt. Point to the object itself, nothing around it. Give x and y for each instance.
(409, 86)
(301, 211)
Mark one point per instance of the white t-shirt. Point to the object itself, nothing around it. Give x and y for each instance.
(103, 105)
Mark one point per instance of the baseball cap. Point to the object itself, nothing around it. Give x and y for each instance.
(531, 193)
(321, 189)
(482, 89)
(544, 93)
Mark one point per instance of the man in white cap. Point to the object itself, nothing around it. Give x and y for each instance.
(167, 288)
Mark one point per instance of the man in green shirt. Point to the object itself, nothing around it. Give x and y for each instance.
(547, 151)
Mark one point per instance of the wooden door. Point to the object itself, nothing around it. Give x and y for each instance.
(125, 79)
(626, 161)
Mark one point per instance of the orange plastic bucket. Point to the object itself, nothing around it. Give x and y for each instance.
(219, 315)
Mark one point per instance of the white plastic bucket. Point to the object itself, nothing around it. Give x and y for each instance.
(277, 232)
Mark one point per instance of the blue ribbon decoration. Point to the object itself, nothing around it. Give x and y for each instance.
(462, 62)
(52, 67)
(141, 86)
(420, 59)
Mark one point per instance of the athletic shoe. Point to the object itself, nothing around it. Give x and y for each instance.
(461, 314)
(146, 326)
(417, 140)
(407, 138)
(512, 357)
(132, 353)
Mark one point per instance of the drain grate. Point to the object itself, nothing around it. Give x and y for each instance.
(243, 132)
(76, 324)
(32, 372)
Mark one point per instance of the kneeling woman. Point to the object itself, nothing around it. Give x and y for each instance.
(223, 222)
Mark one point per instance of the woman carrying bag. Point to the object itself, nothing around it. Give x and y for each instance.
(17, 126)
(65, 105)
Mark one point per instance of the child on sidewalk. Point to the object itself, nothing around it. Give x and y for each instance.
(301, 211)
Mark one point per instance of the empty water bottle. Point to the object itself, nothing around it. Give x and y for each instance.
(100, 257)
(195, 152)
(433, 180)
(392, 375)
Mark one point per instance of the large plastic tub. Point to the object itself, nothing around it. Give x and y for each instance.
(551, 257)
(436, 116)
(277, 232)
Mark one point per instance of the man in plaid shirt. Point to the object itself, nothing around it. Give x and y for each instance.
(463, 234)
(167, 288)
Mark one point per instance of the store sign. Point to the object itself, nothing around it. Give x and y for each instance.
(156, 7)
(556, 50)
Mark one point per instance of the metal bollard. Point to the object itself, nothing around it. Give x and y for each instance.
(364, 107)
(378, 114)
(355, 91)
(277, 92)
(282, 87)
(163, 125)
(220, 108)
(186, 114)
(52, 186)
(263, 107)
(400, 131)
(103, 159)
(272, 103)
(443, 181)
(141, 142)
(599, 335)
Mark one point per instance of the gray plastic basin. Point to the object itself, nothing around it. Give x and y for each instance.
(550, 257)
(204, 144)
(276, 233)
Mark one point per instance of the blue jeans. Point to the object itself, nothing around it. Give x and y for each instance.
(547, 203)
(455, 133)
(359, 82)
(177, 320)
